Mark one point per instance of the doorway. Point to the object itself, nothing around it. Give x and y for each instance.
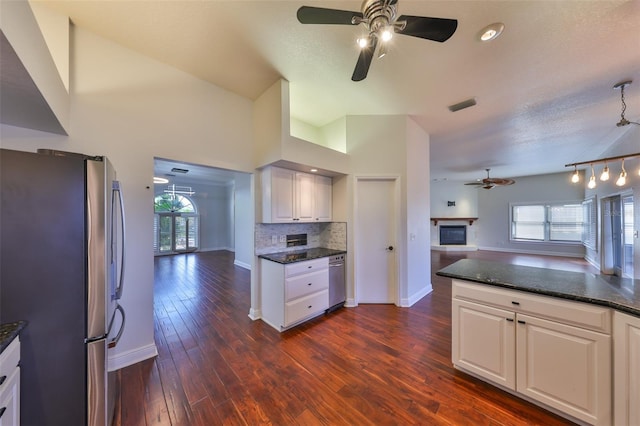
(617, 235)
(376, 275)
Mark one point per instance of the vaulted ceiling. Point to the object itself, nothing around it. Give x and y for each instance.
(544, 88)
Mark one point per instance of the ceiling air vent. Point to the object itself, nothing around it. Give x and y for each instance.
(177, 170)
(462, 105)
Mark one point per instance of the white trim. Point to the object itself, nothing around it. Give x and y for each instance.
(407, 303)
(132, 356)
(399, 251)
(255, 314)
(350, 303)
(242, 264)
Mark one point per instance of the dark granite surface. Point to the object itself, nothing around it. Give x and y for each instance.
(9, 331)
(285, 257)
(622, 294)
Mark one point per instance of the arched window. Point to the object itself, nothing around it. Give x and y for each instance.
(175, 224)
(174, 203)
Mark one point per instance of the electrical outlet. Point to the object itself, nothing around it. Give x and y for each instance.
(274, 239)
(283, 238)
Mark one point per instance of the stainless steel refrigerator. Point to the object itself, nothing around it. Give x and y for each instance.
(61, 270)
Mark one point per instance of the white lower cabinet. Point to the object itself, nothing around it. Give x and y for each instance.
(626, 352)
(477, 326)
(10, 385)
(548, 350)
(295, 292)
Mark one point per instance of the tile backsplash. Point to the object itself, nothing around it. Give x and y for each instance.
(331, 235)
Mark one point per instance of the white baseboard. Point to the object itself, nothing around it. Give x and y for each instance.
(538, 252)
(131, 357)
(406, 303)
(350, 303)
(255, 314)
(242, 264)
(453, 248)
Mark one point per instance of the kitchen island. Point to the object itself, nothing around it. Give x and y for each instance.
(549, 336)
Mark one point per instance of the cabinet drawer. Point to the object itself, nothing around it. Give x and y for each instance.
(301, 285)
(592, 317)
(306, 266)
(9, 360)
(306, 306)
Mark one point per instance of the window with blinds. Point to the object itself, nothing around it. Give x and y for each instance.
(548, 222)
(590, 223)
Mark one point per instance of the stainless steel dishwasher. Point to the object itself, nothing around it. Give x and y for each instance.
(337, 288)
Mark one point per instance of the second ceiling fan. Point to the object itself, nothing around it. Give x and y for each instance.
(381, 20)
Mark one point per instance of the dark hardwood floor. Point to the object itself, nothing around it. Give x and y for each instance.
(369, 365)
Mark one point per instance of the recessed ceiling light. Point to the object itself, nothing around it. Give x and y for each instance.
(491, 32)
(157, 179)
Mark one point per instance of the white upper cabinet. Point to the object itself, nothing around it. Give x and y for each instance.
(292, 197)
(323, 195)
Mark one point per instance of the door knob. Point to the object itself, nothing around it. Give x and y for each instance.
(390, 248)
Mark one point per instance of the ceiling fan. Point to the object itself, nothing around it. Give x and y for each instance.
(489, 182)
(381, 21)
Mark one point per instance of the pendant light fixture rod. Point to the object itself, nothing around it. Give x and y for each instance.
(604, 160)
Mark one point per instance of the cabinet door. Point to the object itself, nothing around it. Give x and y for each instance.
(282, 195)
(323, 194)
(10, 400)
(565, 367)
(626, 354)
(483, 341)
(304, 199)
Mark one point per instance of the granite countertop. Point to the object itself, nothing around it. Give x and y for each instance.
(286, 257)
(622, 294)
(9, 331)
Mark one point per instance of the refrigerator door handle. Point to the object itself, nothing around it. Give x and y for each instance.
(113, 342)
(116, 189)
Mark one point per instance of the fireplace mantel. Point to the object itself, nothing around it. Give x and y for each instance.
(444, 219)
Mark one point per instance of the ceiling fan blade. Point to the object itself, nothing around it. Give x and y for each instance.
(319, 15)
(475, 183)
(364, 60)
(436, 29)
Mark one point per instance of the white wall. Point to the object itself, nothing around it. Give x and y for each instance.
(493, 227)
(393, 146)
(465, 197)
(243, 220)
(132, 109)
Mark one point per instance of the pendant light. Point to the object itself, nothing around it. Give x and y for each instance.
(592, 179)
(623, 176)
(605, 173)
(575, 177)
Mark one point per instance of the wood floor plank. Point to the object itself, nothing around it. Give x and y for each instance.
(369, 365)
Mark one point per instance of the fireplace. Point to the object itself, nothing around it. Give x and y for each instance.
(453, 235)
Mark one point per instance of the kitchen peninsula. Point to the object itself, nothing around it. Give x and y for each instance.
(549, 336)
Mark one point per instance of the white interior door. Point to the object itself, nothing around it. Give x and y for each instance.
(375, 262)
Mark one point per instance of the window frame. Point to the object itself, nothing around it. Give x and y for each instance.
(547, 224)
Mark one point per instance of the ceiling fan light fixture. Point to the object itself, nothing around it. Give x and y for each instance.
(386, 33)
(362, 42)
(491, 32)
